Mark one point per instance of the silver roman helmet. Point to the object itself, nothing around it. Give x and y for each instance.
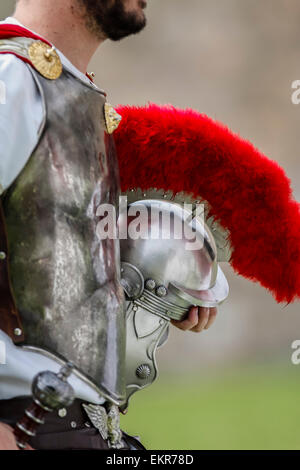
(169, 263)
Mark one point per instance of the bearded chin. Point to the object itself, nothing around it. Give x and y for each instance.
(111, 20)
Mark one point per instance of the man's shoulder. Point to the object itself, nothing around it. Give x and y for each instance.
(16, 80)
(10, 59)
(10, 64)
(21, 116)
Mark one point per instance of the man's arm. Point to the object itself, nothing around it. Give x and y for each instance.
(21, 116)
(7, 438)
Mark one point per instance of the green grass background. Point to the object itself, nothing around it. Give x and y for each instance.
(257, 407)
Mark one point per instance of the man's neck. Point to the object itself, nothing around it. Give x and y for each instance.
(63, 26)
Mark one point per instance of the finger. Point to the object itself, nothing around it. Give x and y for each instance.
(203, 320)
(190, 322)
(212, 317)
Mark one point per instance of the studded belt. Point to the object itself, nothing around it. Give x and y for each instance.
(67, 429)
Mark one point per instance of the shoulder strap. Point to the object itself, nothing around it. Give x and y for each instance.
(39, 54)
(17, 46)
(10, 321)
(8, 31)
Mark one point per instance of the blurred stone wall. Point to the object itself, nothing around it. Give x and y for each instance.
(234, 60)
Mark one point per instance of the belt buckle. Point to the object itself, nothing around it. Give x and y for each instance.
(107, 422)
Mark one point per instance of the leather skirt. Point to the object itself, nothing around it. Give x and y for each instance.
(74, 431)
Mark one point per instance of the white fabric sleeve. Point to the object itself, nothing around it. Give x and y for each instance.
(21, 117)
(19, 366)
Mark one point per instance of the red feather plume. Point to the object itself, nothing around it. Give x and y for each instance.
(250, 195)
(181, 150)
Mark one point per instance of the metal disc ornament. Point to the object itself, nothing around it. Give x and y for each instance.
(45, 60)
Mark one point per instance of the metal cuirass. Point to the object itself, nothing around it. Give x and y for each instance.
(65, 279)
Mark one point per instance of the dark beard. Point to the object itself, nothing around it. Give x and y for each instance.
(110, 20)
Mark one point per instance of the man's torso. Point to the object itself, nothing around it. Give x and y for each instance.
(65, 279)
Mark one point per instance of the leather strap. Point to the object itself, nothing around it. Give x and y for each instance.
(10, 321)
(59, 433)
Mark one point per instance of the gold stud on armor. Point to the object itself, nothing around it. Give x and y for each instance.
(112, 118)
(45, 60)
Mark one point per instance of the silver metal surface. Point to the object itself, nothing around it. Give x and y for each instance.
(221, 235)
(34, 418)
(161, 291)
(115, 436)
(176, 278)
(143, 371)
(107, 422)
(132, 281)
(65, 279)
(26, 431)
(150, 284)
(161, 307)
(208, 298)
(52, 390)
(41, 405)
(161, 255)
(17, 381)
(145, 333)
(98, 417)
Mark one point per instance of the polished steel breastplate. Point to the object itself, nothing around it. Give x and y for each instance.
(65, 279)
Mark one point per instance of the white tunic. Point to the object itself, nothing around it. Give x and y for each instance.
(21, 115)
